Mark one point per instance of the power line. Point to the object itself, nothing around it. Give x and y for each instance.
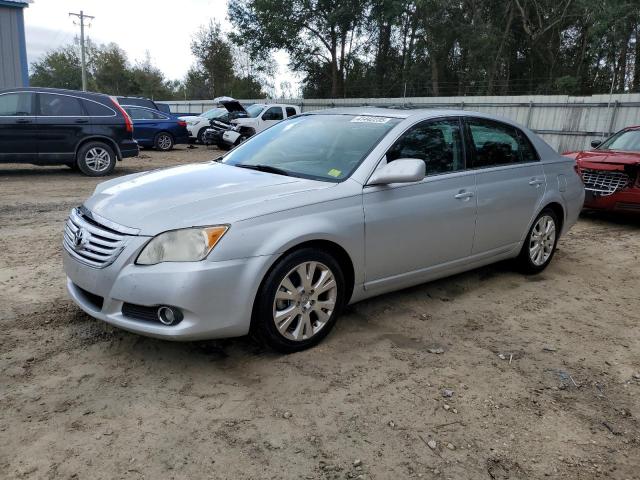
(82, 17)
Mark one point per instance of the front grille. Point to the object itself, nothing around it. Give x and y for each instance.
(140, 312)
(604, 182)
(90, 242)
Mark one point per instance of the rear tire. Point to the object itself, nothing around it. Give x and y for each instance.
(305, 310)
(163, 141)
(96, 159)
(540, 243)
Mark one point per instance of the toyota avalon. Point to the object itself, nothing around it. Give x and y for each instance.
(319, 211)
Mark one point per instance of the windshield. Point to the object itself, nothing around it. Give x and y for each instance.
(626, 141)
(213, 113)
(321, 147)
(254, 110)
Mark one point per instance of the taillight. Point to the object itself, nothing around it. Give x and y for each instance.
(182, 123)
(127, 119)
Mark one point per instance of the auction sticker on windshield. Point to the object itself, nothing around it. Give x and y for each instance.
(367, 119)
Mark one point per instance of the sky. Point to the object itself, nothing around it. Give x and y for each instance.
(162, 27)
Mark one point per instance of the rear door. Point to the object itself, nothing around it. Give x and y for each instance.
(146, 123)
(270, 117)
(510, 183)
(62, 124)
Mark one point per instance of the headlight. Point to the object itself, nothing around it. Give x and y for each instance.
(187, 245)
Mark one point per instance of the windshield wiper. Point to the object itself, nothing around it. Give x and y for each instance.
(264, 168)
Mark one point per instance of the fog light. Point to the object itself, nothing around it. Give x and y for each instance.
(169, 315)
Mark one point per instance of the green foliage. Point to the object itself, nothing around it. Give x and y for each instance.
(58, 69)
(439, 47)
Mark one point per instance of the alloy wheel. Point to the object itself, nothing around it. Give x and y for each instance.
(305, 301)
(164, 141)
(542, 240)
(97, 159)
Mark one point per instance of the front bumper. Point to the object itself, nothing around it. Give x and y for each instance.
(216, 298)
(627, 200)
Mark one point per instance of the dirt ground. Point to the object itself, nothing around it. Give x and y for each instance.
(543, 371)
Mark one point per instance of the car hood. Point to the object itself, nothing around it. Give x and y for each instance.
(608, 159)
(192, 118)
(231, 104)
(196, 195)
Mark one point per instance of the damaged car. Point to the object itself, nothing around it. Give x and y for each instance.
(611, 172)
(247, 122)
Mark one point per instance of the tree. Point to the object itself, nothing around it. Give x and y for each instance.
(148, 81)
(317, 34)
(213, 53)
(112, 73)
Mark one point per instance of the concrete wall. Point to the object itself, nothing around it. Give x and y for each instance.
(565, 122)
(13, 54)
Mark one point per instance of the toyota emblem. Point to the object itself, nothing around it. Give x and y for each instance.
(80, 239)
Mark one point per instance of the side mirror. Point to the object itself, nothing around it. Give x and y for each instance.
(596, 143)
(403, 170)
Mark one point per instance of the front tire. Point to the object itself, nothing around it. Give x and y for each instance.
(540, 244)
(163, 141)
(299, 301)
(200, 136)
(96, 159)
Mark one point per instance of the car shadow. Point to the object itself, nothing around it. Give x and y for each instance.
(617, 218)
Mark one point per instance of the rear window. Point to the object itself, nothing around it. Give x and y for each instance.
(53, 105)
(96, 109)
(291, 112)
(138, 102)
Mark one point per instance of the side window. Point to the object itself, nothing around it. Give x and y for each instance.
(157, 116)
(96, 109)
(139, 113)
(496, 143)
(437, 142)
(52, 105)
(291, 111)
(529, 153)
(274, 113)
(16, 104)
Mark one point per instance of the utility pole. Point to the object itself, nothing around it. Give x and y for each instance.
(82, 17)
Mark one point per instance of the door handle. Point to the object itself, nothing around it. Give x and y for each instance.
(463, 195)
(82, 120)
(23, 120)
(535, 182)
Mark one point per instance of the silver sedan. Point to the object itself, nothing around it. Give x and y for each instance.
(322, 210)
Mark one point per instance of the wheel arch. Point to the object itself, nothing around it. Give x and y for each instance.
(332, 248)
(99, 138)
(558, 209)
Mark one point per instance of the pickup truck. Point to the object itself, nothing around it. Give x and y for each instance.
(259, 117)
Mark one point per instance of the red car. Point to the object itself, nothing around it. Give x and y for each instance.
(611, 172)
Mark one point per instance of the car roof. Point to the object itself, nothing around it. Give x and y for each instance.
(65, 91)
(411, 113)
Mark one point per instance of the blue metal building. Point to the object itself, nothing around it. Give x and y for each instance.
(14, 69)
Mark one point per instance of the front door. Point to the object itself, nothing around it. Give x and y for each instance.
(510, 183)
(412, 227)
(272, 116)
(17, 127)
(62, 123)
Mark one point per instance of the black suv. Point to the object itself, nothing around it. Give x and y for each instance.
(48, 126)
